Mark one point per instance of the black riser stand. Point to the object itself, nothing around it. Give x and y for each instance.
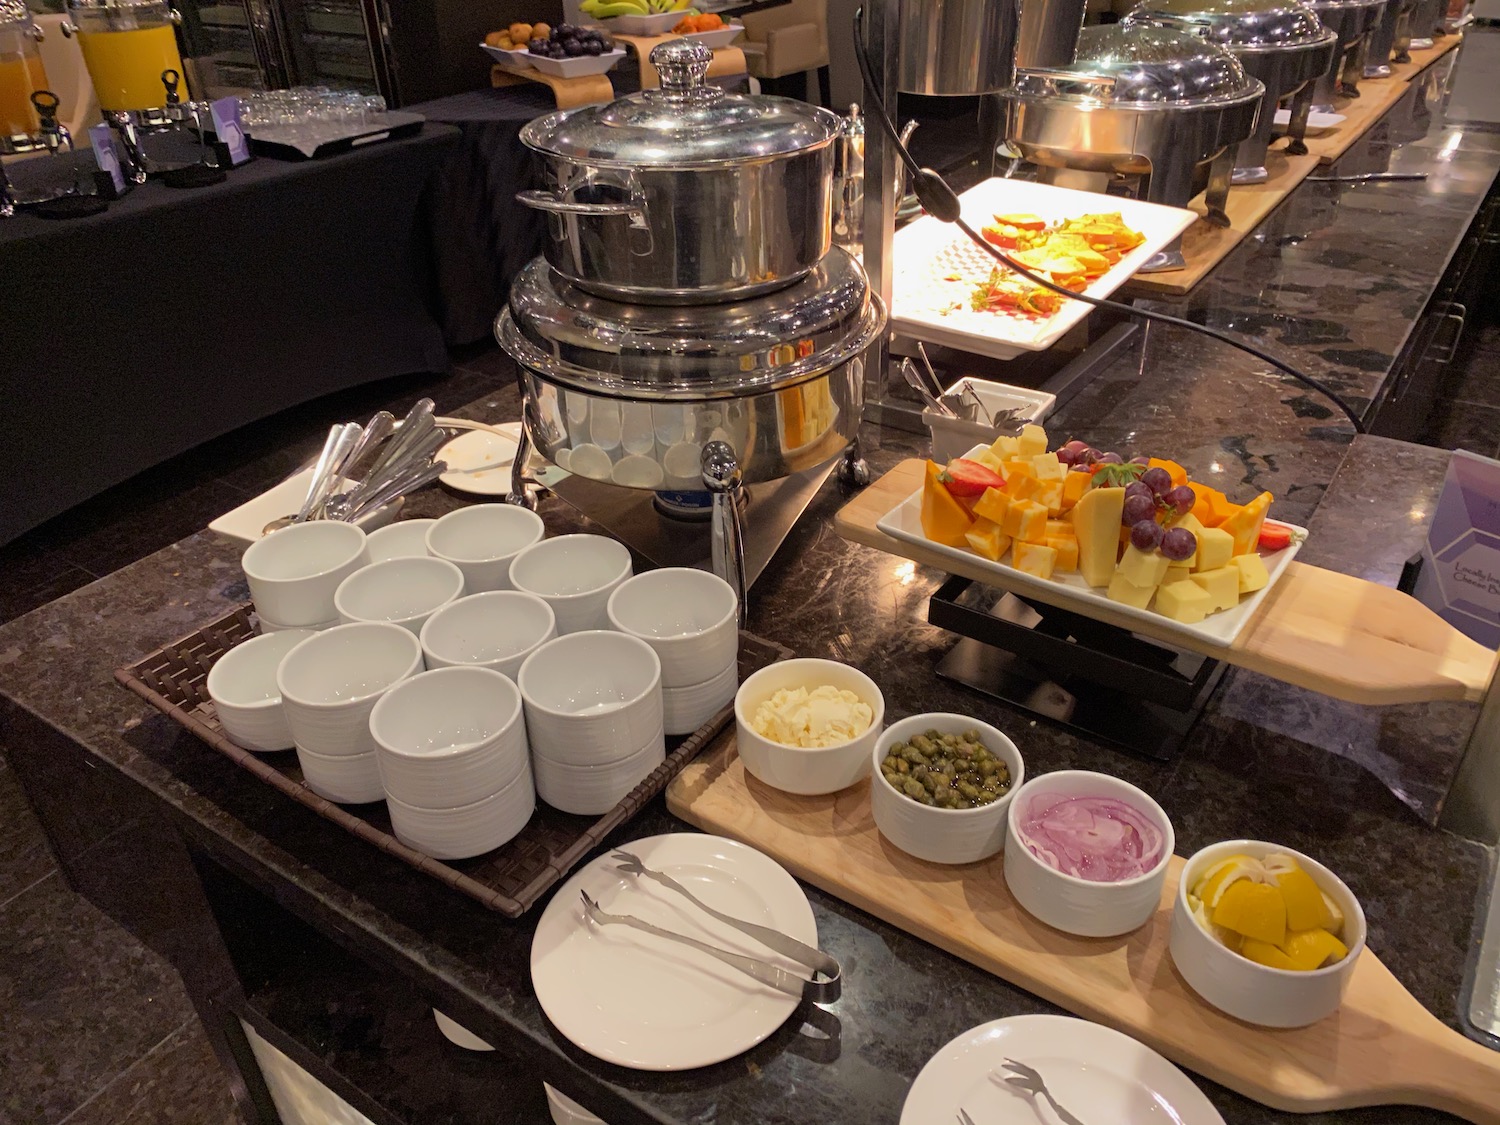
(1093, 679)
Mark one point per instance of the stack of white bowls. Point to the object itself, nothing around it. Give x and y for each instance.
(452, 755)
(690, 619)
(593, 707)
(497, 629)
(575, 575)
(483, 542)
(405, 592)
(295, 572)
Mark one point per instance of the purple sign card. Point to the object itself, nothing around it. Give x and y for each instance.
(1460, 574)
(102, 140)
(229, 131)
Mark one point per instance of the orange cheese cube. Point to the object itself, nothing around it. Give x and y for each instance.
(1074, 486)
(944, 519)
(1036, 559)
(1061, 529)
(987, 539)
(1050, 496)
(992, 505)
(1023, 488)
(1018, 467)
(1026, 521)
(1066, 547)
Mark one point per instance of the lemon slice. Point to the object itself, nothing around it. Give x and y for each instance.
(1218, 878)
(1304, 900)
(1335, 923)
(1255, 910)
(1264, 953)
(1311, 949)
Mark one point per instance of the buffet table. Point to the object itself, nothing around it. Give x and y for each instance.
(335, 952)
(185, 314)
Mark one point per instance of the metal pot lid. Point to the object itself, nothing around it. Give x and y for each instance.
(1239, 23)
(685, 124)
(1141, 64)
(690, 352)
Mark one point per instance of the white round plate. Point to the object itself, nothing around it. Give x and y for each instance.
(479, 461)
(641, 1001)
(1095, 1073)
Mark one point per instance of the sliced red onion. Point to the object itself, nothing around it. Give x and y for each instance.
(1101, 839)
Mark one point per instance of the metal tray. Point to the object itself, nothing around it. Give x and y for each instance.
(511, 879)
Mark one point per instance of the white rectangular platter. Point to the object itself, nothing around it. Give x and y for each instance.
(904, 521)
(928, 250)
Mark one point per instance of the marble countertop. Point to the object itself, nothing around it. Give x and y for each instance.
(1337, 279)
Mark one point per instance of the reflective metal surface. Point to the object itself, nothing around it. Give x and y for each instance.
(1239, 24)
(1048, 34)
(1142, 65)
(1394, 20)
(1352, 21)
(685, 194)
(957, 46)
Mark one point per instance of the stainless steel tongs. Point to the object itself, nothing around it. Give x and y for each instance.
(826, 984)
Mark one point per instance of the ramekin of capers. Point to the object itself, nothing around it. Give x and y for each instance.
(941, 787)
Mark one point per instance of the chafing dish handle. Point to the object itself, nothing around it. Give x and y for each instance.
(543, 201)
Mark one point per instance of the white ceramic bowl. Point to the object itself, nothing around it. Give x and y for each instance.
(575, 575)
(405, 592)
(459, 1035)
(574, 67)
(269, 626)
(689, 616)
(498, 629)
(469, 830)
(942, 835)
(242, 684)
(294, 572)
(591, 697)
(594, 790)
(1066, 902)
(792, 768)
(405, 539)
(331, 681)
(685, 709)
(449, 737)
(1253, 992)
(483, 540)
(344, 780)
(565, 1111)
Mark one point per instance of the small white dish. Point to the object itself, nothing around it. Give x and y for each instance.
(405, 592)
(954, 437)
(242, 684)
(934, 834)
(1066, 902)
(294, 572)
(498, 629)
(1317, 121)
(404, 539)
(247, 523)
(719, 37)
(330, 682)
(576, 67)
(1099, 1074)
(595, 789)
(467, 831)
(449, 737)
(1243, 988)
(640, 1001)
(591, 697)
(685, 709)
(565, 1111)
(479, 461)
(575, 575)
(459, 1035)
(483, 540)
(517, 58)
(689, 617)
(656, 23)
(793, 769)
(343, 779)
(269, 626)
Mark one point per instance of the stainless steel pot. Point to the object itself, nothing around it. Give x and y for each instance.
(1352, 21)
(685, 194)
(1147, 101)
(1280, 42)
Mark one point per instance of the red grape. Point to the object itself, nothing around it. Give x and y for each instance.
(1146, 535)
(1138, 508)
(1110, 459)
(1136, 488)
(1178, 544)
(1158, 480)
(1067, 456)
(1182, 498)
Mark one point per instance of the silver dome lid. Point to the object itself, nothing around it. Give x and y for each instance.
(684, 124)
(1239, 24)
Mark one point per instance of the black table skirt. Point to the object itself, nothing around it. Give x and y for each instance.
(180, 315)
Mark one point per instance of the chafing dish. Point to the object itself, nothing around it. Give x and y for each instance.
(1157, 102)
(1280, 42)
(1352, 21)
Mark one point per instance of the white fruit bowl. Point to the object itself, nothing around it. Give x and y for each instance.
(657, 23)
(576, 68)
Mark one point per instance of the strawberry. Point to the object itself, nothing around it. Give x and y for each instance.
(963, 477)
(1275, 537)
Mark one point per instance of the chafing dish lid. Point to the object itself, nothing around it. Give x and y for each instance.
(1140, 64)
(1241, 23)
(684, 124)
(690, 352)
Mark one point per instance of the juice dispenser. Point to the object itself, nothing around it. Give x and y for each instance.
(28, 110)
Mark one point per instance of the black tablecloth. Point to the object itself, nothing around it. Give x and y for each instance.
(179, 315)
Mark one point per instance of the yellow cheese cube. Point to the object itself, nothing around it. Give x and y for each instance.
(1128, 593)
(987, 539)
(1142, 568)
(1252, 570)
(1060, 529)
(1016, 467)
(1096, 518)
(1222, 586)
(1023, 488)
(1074, 486)
(1006, 447)
(1177, 572)
(1026, 521)
(1191, 523)
(1050, 495)
(992, 505)
(1033, 440)
(1034, 558)
(1048, 467)
(1186, 602)
(989, 460)
(1066, 547)
(1215, 549)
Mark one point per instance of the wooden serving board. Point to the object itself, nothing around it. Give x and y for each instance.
(1381, 1048)
(1205, 246)
(569, 93)
(1318, 629)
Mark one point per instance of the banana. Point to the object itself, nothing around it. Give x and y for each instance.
(680, 6)
(605, 11)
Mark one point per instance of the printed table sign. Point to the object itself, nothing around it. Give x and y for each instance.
(1460, 574)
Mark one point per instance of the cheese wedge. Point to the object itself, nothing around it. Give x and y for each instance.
(944, 519)
(1096, 519)
(1244, 524)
